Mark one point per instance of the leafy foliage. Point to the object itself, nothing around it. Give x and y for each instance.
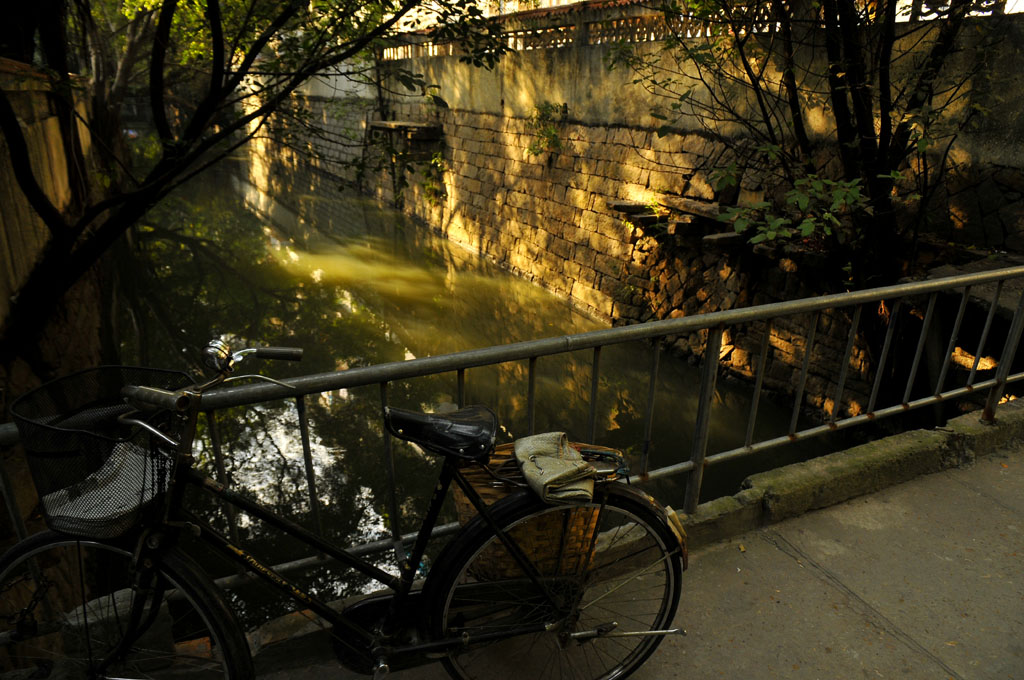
(834, 99)
(543, 123)
(813, 210)
(433, 178)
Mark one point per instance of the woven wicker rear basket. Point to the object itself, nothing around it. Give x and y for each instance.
(541, 539)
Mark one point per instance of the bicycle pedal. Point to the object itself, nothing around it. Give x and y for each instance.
(381, 670)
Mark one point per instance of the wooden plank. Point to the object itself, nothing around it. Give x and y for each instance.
(690, 206)
(724, 240)
(627, 207)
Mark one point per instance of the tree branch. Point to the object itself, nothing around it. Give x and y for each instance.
(845, 129)
(924, 87)
(860, 95)
(289, 11)
(789, 82)
(156, 71)
(888, 40)
(217, 46)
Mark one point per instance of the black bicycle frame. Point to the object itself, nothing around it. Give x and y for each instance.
(354, 637)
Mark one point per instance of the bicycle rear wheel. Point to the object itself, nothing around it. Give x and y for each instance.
(610, 568)
(64, 607)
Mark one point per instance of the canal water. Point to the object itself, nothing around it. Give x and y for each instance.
(355, 285)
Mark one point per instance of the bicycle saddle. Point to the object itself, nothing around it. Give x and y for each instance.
(467, 433)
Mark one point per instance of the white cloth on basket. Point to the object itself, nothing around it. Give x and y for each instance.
(554, 470)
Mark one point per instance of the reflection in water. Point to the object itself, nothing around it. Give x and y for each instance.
(354, 285)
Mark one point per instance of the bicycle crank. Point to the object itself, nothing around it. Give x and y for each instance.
(607, 630)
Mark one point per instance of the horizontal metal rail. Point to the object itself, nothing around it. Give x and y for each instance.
(459, 361)
(805, 315)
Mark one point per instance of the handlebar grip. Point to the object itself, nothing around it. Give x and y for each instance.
(155, 397)
(281, 353)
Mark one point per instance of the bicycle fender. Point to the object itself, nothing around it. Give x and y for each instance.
(671, 518)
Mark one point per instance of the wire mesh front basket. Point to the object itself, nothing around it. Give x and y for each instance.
(94, 475)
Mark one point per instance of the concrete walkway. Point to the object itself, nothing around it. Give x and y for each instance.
(923, 580)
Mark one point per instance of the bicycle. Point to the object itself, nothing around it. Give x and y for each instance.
(523, 588)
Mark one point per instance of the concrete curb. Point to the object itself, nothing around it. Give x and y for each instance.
(792, 490)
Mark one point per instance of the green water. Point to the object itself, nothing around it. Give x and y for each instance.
(355, 285)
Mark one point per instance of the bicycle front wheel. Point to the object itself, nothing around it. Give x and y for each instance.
(64, 610)
(609, 575)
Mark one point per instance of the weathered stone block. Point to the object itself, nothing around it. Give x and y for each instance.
(578, 197)
(603, 244)
(698, 187)
(600, 302)
(723, 517)
(630, 173)
(584, 165)
(977, 438)
(584, 255)
(609, 266)
(601, 185)
(669, 182)
(561, 248)
(795, 489)
(626, 311)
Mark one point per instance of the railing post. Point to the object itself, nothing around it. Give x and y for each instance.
(222, 477)
(307, 459)
(595, 375)
(762, 368)
(925, 325)
(1009, 350)
(844, 366)
(894, 314)
(531, 396)
(984, 332)
(805, 367)
(951, 347)
(709, 375)
(389, 465)
(652, 389)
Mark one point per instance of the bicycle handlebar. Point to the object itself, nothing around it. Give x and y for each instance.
(279, 353)
(147, 398)
(153, 397)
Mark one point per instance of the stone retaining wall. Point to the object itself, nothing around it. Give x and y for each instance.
(553, 218)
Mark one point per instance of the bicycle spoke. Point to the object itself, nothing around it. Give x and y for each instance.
(75, 628)
(628, 578)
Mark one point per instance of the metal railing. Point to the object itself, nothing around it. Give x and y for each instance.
(555, 24)
(904, 302)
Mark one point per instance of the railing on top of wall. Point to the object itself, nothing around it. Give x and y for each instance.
(909, 305)
(557, 24)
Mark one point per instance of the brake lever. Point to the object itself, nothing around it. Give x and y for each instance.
(256, 376)
(126, 420)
